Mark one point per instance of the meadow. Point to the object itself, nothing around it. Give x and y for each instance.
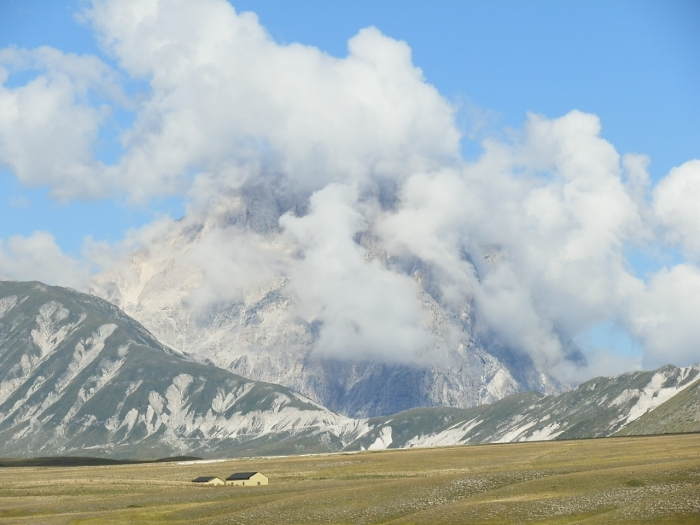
(615, 480)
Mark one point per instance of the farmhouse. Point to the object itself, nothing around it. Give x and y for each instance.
(209, 480)
(247, 479)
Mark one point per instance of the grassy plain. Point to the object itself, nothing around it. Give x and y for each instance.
(622, 480)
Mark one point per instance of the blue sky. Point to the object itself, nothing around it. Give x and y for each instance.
(634, 64)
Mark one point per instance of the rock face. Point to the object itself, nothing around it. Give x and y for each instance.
(166, 282)
(77, 376)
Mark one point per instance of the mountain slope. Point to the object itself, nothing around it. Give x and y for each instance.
(681, 413)
(77, 375)
(601, 407)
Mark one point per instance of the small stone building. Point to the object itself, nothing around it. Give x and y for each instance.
(208, 480)
(247, 479)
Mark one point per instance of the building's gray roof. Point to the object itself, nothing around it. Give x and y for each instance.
(203, 479)
(241, 475)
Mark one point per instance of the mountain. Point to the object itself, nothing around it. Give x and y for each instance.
(665, 400)
(681, 413)
(77, 375)
(172, 284)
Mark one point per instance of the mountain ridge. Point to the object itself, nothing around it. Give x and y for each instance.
(78, 375)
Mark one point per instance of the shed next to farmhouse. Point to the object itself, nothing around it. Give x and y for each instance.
(209, 480)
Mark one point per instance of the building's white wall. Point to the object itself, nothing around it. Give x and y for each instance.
(254, 481)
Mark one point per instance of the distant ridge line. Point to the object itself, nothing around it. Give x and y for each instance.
(84, 461)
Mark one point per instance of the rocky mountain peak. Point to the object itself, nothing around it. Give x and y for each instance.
(180, 286)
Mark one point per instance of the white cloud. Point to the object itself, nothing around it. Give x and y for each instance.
(544, 222)
(227, 93)
(664, 316)
(39, 258)
(234, 263)
(221, 94)
(677, 204)
(48, 126)
(364, 309)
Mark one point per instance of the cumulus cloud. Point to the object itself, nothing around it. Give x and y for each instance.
(534, 234)
(227, 92)
(39, 258)
(234, 262)
(677, 205)
(220, 92)
(48, 127)
(663, 316)
(534, 231)
(364, 310)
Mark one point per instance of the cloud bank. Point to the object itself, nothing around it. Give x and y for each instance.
(363, 156)
(39, 258)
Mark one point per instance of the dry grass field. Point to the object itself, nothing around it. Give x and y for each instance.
(622, 480)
